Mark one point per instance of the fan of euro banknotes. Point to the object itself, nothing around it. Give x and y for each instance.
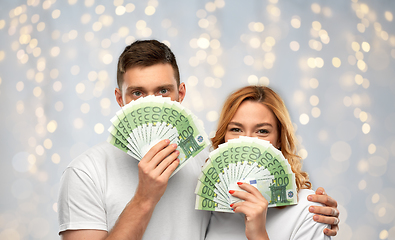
(142, 123)
(249, 160)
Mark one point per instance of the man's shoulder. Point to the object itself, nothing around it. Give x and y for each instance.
(97, 155)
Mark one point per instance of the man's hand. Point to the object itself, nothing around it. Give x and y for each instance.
(328, 214)
(155, 169)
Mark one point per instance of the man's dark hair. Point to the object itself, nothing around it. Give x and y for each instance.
(145, 53)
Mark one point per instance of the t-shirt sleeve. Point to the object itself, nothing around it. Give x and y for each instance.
(307, 227)
(311, 230)
(80, 204)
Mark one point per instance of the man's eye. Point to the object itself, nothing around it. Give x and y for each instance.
(163, 91)
(137, 94)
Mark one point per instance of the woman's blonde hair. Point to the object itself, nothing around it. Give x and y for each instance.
(286, 132)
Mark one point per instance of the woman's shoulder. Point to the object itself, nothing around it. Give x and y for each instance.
(302, 198)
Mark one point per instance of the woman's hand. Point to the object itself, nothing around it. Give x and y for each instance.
(328, 214)
(254, 208)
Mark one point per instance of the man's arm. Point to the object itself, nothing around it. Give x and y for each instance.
(328, 214)
(155, 169)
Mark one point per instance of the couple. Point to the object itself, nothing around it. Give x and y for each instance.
(105, 194)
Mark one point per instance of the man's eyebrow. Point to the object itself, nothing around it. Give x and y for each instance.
(170, 86)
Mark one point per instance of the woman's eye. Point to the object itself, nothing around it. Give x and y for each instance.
(263, 131)
(235, 129)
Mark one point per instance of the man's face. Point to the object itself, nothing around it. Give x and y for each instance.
(155, 80)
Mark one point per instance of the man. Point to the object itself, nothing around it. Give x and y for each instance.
(106, 194)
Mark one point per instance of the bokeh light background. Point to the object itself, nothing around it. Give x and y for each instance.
(332, 61)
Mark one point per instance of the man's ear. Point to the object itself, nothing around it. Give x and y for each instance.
(181, 92)
(118, 97)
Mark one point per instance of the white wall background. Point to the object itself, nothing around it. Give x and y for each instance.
(332, 61)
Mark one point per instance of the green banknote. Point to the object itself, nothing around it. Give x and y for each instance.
(249, 160)
(142, 123)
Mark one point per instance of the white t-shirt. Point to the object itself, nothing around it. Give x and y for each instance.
(98, 184)
(291, 222)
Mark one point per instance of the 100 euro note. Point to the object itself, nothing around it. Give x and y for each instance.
(240, 160)
(141, 124)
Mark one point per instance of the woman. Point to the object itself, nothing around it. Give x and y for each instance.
(256, 111)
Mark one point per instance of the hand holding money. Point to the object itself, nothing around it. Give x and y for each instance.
(142, 123)
(254, 206)
(155, 169)
(238, 160)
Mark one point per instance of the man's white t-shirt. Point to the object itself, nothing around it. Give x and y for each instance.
(292, 222)
(98, 184)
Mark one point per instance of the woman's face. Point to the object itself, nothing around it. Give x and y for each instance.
(253, 119)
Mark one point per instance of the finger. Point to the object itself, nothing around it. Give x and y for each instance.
(330, 232)
(320, 191)
(162, 155)
(326, 219)
(154, 150)
(171, 168)
(249, 209)
(165, 163)
(251, 189)
(328, 211)
(324, 199)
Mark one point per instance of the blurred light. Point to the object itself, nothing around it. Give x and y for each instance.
(365, 46)
(372, 148)
(255, 42)
(105, 103)
(315, 112)
(55, 158)
(303, 153)
(316, 25)
(362, 185)
(47, 143)
(85, 108)
(252, 80)
(55, 13)
(365, 128)
(99, 128)
(100, 9)
(78, 123)
(264, 81)
(294, 45)
(316, 8)
(210, 7)
(80, 88)
(212, 116)
(130, 7)
(59, 106)
(375, 198)
(304, 119)
(150, 10)
(295, 22)
(85, 18)
(120, 10)
(41, 26)
(248, 60)
(363, 116)
(37, 91)
(314, 100)
(355, 46)
(19, 86)
(388, 16)
(383, 234)
(192, 81)
(51, 126)
(336, 62)
(313, 83)
(358, 79)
